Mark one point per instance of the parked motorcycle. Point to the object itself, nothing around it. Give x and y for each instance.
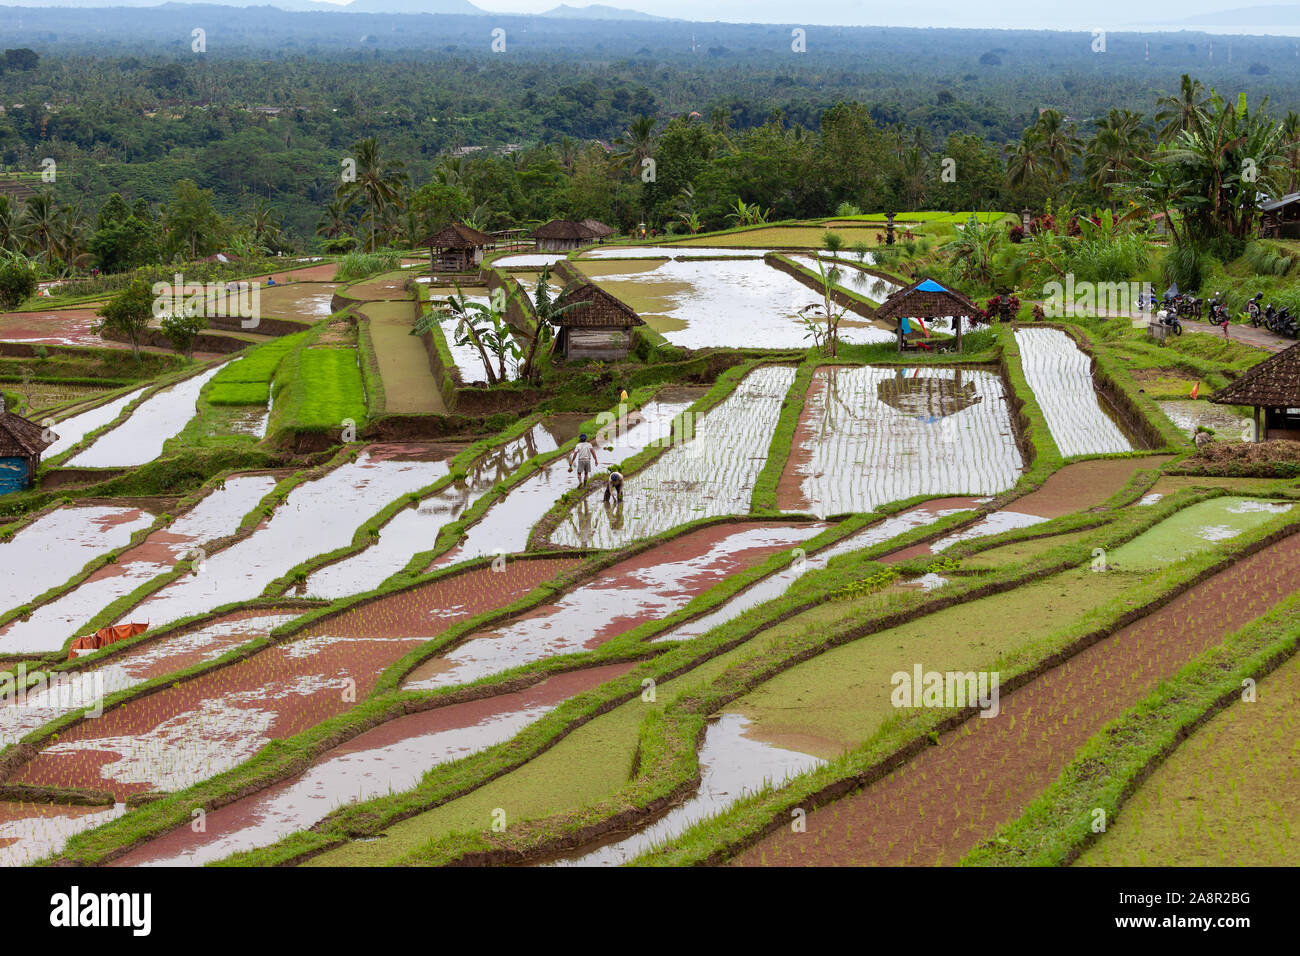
(1189, 307)
(1253, 311)
(1169, 319)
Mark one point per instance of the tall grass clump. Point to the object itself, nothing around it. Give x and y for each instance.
(358, 265)
(1186, 265)
(1266, 259)
(1111, 259)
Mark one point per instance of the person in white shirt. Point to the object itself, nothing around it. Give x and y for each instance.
(584, 455)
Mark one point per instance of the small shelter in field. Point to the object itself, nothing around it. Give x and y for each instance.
(1280, 217)
(562, 235)
(1272, 389)
(456, 248)
(21, 445)
(599, 326)
(925, 300)
(598, 229)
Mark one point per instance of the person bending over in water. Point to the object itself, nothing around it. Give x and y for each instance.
(584, 454)
(614, 487)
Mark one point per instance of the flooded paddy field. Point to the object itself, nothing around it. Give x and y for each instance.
(390, 758)
(216, 516)
(316, 517)
(646, 587)
(140, 438)
(745, 485)
(700, 303)
(709, 475)
(1060, 375)
(54, 547)
(416, 528)
(869, 436)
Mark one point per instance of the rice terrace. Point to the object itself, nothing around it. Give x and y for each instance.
(686, 489)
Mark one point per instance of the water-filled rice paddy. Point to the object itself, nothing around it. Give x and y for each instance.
(317, 517)
(47, 552)
(1195, 529)
(74, 428)
(699, 304)
(868, 436)
(140, 438)
(215, 516)
(708, 475)
(1061, 376)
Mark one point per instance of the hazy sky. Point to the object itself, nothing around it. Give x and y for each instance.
(1029, 14)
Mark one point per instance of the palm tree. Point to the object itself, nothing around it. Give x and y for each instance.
(1291, 143)
(10, 238)
(1112, 154)
(1218, 168)
(1057, 142)
(70, 236)
(635, 144)
(567, 152)
(1024, 161)
(262, 225)
(39, 224)
(1176, 112)
(334, 221)
(377, 184)
(450, 172)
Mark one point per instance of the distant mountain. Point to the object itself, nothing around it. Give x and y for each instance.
(463, 7)
(1263, 16)
(598, 11)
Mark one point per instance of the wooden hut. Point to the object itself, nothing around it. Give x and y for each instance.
(1280, 217)
(21, 445)
(562, 235)
(1272, 389)
(457, 248)
(926, 300)
(600, 327)
(598, 229)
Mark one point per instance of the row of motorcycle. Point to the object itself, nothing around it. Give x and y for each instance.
(1175, 306)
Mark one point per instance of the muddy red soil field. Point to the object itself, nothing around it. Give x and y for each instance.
(252, 821)
(173, 738)
(955, 795)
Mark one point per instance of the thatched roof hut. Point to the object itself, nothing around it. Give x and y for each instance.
(456, 248)
(21, 445)
(561, 235)
(1272, 389)
(598, 229)
(598, 327)
(926, 299)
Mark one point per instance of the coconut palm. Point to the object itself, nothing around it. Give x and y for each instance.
(1219, 167)
(334, 221)
(262, 225)
(377, 185)
(39, 224)
(635, 144)
(10, 235)
(1291, 145)
(1112, 155)
(1176, 112)
(1057, 142)
(1024, 161)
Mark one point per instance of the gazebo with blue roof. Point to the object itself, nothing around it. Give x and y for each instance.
(926, 299)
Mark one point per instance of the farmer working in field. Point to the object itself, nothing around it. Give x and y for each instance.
(584, 454)
(614, 487)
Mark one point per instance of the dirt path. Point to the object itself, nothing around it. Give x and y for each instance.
(943, 803)
(409, 384)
